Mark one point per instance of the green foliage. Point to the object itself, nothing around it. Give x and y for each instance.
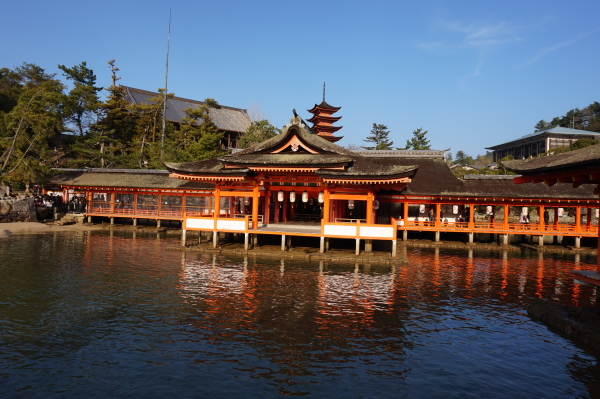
(582, 143)
(258, 132)
(82, 102)
(418, 141)
(38, 113)
(461, 158)
(31, 130)
(379, 137)
(587, 118)
(10, 89)
(197, 138)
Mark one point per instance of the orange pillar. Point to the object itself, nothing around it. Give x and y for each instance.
(541, 215)
(437, 215)
(471, 219)
(255, 200)
(370, 208)
(405, 213)
(577, 219)
(217, 207)
(506, 214)
(326, 205)
(267, 212)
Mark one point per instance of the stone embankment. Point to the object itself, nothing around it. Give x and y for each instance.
(581, 324)
(17, 210)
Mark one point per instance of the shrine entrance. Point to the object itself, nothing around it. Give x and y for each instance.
(292, 206)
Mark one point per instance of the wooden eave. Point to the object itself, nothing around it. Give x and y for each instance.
(576, 177)
(325, 118)
(319, 108)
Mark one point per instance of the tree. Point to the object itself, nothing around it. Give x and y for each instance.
(258, 132)
(418, 142)
(32, 128)
(541, 125)
(461, 158)
(10, 89)
(82, 102)
(379, 137)
(197, 138)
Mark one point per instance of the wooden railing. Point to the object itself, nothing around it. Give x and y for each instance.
(498, 227)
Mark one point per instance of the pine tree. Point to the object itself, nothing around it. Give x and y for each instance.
(418, 142)
(379, 137)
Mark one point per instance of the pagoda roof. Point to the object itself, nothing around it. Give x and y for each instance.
(326, 128)
(330, 119)
(323, 106)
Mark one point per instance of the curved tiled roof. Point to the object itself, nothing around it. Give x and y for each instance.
(225, 118)
(585, 157)
(123, 178)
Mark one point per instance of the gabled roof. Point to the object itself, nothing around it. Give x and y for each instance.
(298, 146)
(225, 118)
(555, 130)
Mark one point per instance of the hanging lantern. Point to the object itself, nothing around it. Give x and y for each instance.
(455, 209)
(561, 212)
(305, 196)
(488, 209)
(524, 211)
(421, 208)
(597, 212)
(375, 205)
(321, 197)
(292, 196)
(280, 196)
(350, 204)
(246, 201)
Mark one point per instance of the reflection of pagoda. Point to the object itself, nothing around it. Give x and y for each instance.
(322, 120)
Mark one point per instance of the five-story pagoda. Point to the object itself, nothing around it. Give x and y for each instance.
(323, 120)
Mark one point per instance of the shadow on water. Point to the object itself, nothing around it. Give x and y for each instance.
(114, 314)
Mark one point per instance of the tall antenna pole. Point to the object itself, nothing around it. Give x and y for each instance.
(323, 91)
(164, 116)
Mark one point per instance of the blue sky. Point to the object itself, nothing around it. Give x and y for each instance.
(471, 73)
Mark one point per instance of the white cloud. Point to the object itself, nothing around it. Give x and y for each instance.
(545, 51)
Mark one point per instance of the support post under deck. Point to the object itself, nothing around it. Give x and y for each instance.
(357, 246)
(215, 239)
(183, 237)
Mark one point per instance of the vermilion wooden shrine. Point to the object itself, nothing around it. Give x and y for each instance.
(576, 168)
(301, 184)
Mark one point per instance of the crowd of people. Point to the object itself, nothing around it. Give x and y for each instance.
(54, 201)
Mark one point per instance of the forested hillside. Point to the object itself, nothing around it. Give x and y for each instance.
(49, 121)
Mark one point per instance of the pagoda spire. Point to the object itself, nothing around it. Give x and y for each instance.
(322, 120)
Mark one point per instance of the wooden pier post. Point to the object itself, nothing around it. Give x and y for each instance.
(183, 237)
(283, 242)
(357, 246)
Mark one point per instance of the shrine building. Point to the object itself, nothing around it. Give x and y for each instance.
(301, 184)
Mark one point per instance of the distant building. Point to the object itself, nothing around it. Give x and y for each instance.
(233, 122)
(541, 141)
